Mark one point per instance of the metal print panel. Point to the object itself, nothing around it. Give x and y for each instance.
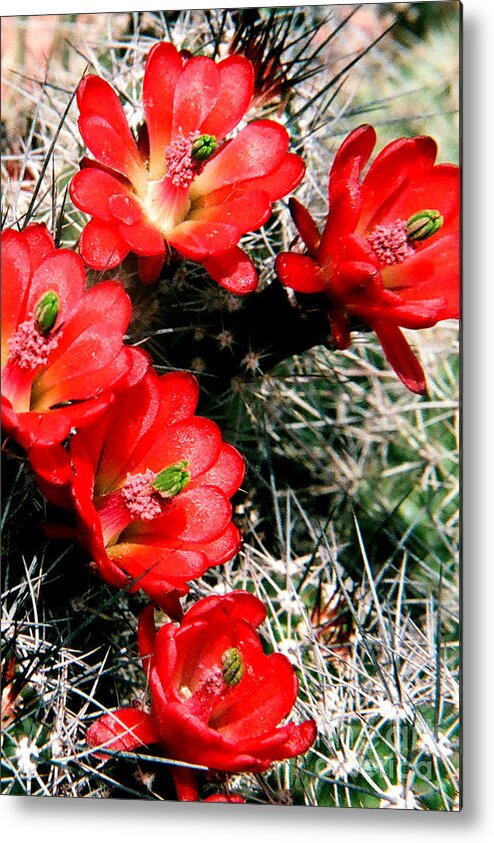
(230, 302)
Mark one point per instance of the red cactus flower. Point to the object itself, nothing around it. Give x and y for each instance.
(182, 184)
(151, 484)
(225, 797)
(62, 357)
(216, 698)
(388, 254)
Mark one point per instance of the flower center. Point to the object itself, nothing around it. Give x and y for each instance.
(29, 348)
(390, 243)
(139, 496)
(185, 156)
(180, 166)
(142, 493)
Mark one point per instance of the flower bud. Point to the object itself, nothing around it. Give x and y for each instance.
(203, 147)
(46, 311)
(172, 480)
(424, 224)
(232, 666)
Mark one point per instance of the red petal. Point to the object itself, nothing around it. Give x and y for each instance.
(16, 271)
(246, 212)
(163, 68)
(53, 472)
(39, 242)
(179, 396)
(198, 239)
(400, 357)
(276, 184)
(238, 605)
(199, 515)
(89, 357)
(285, 742)
(196, 93)
(259, 702)
(146, 634)
(122, 730)
(344, 189)
(256, 151)
(234, 270)
(52, 427)
(196, 440)
(352, 156)
(300, 273)
(105, 130)
(403, 160)
(227, 473)
(431, 274)
(144, 412)
(283, 179)
(143, 238)
(150, 267)
(224, 548)
(63, 272)
(437, 188)
(92, 188)
(157, 569)
(306, 226)
(101, 245)
(236, 77)
(185, 781)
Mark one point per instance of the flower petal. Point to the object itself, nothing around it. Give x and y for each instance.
(105, 131)
(234, 270)
(400, 162)
(431, 274)
(196, 440)
(300, 273)
(259, 702)
(143, 238)
(196, 93)
(101, 245)
(197, 239)
(16, 267)
(246, 212)
(92, 188)
(163, 68)
(63, 272)
(236, 78)
(89, 357)
(46, 429)
(158, 569)
(200, 515)
(257, 150)
(306, 226)
(227, 472)
(401, 357)
(122, 730)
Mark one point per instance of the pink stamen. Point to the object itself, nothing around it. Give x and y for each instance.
(139, 496)
(181, 168)
(29, 348)
(389, 243)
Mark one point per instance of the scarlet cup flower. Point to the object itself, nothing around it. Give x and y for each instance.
(151, 484)
(388, 254)
(62, 345)
(182, 184)
(216, 698)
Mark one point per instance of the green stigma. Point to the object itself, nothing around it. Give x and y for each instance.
(203, 147)
(46, 311)
(232, 665)
(172, 480)
(424, 224)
